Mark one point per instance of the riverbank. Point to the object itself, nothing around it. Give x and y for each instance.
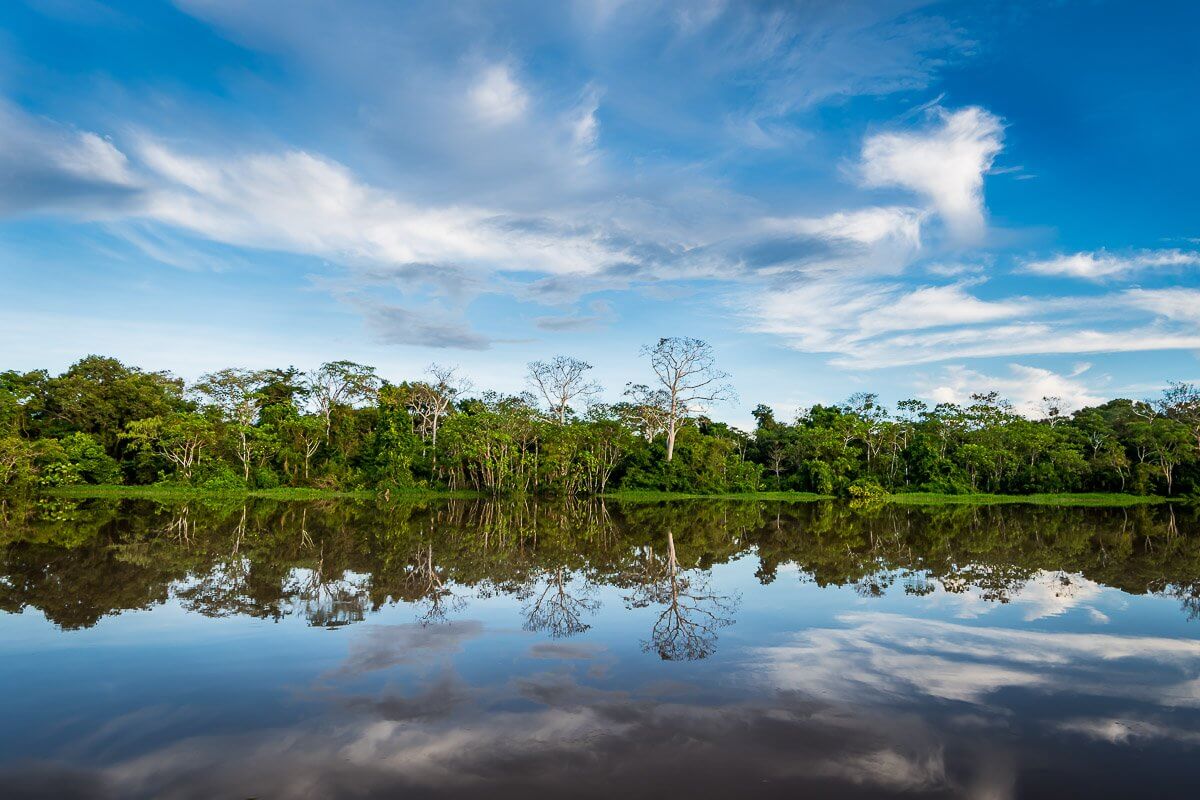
(913, 498)
(650, 496)
(1097, 499)
(177, 493)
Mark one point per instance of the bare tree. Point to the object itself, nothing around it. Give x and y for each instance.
(687, 370)
(337, 383)
(1181, 401)
(1053, 410)
(429, 401)
(560, 380)
(646, 410)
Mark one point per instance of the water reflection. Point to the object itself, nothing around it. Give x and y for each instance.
(336, 563)
(448, 649)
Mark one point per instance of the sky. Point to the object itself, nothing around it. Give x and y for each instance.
(909, 198)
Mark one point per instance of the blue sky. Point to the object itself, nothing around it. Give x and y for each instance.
(918, 199)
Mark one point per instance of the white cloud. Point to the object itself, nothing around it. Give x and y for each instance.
(585, 126)
(945, 163)
(51, 167)
(845, 317)
(872, 324)
(1101, 264)
(884, 656)
(93, 158)
(1025, 386)
(299, 202)
(496, 97)
(876, 239)
(1013, 340)
(1178, 304)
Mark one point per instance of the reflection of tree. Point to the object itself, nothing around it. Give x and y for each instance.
(328, 599)
(332, 561)
(424, 585)
(686, 629)
(224, 589)
(554, 609)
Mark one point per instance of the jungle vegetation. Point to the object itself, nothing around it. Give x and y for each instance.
(344, 427)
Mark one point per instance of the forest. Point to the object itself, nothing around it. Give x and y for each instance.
(342, 426)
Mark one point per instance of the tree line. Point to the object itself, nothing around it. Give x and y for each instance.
(344, 426)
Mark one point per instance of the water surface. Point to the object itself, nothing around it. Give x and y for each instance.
(709, 649)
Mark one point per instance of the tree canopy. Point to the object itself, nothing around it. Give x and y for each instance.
(342, 425)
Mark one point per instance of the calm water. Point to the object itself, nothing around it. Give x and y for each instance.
(706, 649)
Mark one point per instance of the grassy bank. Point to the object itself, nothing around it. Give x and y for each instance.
(1066, 499)
(648, 496)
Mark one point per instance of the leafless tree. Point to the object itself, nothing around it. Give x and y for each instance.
(429, 401)
(560, 380)
(1053, 410)
(687, 370)
(646, 410)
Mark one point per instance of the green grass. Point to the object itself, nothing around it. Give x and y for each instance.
(651, 496)
(1066, 499)
(915, 498)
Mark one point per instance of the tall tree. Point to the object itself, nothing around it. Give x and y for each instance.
(237, 394)
(560, 380)
(645, 411)
(180, 438)
(430, 401)
(686, 369)
(341, 383)
(99, 396)
(1181, 402)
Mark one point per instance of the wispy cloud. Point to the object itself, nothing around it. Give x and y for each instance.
(599, 313)
(392, 324)
(1103, 265)
(48, 167)
(1024, 385)
(497, 98)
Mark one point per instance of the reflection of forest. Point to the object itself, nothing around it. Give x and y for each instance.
(334, 562)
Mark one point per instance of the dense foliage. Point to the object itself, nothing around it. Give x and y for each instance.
(342, 426)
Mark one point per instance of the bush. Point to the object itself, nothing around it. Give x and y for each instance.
(866, 489)
(218, 477)
(89, 460)
(264, 478)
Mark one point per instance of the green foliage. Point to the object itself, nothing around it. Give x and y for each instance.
(341, 427)
(89, 461)
(17, 469)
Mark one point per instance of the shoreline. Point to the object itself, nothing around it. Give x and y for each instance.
(170, 493)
